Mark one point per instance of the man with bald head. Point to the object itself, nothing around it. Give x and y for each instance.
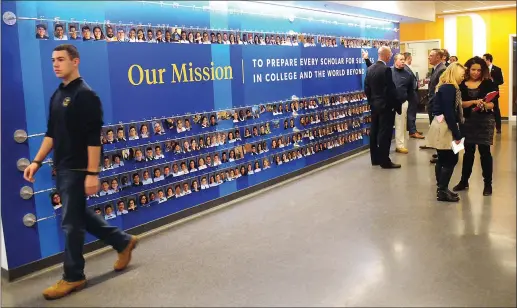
(382, 97)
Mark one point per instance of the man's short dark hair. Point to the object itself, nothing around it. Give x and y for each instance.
(407, 55)
(85, 28)
(70, 49)
(41, 26)
(489, 57)
(58, 26)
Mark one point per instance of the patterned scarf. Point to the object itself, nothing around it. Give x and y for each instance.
(459, 107)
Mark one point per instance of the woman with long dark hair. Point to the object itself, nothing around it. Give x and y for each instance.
(479, 125)
(447, 113)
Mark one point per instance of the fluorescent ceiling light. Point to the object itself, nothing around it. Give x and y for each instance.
(483, 8)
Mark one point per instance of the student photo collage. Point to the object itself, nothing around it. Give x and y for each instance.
(62, 31)
(184, 167)
(179, 188)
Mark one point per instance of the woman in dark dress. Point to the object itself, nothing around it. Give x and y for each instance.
(479, 125)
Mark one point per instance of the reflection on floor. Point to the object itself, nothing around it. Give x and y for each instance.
(349, 235)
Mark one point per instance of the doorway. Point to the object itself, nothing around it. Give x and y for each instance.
(419, 52)
(512, 95)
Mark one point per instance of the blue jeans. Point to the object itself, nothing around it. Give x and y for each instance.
(76, 218)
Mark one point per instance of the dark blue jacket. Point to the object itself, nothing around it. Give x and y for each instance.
(445, 103)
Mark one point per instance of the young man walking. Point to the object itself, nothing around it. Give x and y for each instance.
(73, 132)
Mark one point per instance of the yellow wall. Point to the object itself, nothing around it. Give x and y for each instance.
(499, 25)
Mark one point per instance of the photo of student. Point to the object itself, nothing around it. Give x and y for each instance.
(131, 204)
(178, 192)
(121, 208)
(41, 31)
(188, 126)
(143, 200)
(131, 37)
(157, 175)
(204, 183)
(186, 189)
(204, 122)
(150, 36)
(161, 196)
(158, 154)
(159, 36)
(180, 128)
(247, 132)
(106, 164)
(239, 152)
(177, 148)
(73, 33)
(98, 34)
(86, 33)
(195, 187)
(55, 200)
(114, 186)
(265, 164)
(201, 164)
(170, 193)
(146, 178)
(124, 181)
(206, 38)
(97, 210)
(105, 188)
(192, 166)
(149, 154)
(59, 32)
(140, 36)
(108, 212)
(198, 38)
(144, 130)
(121, 135)
(133, 135)
(208, 160)
(256, 167)
(109, 136)
(184, 168)
(110, 34)
(176, 171)
(213, 120)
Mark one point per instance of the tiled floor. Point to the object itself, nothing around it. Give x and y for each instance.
(349, 235)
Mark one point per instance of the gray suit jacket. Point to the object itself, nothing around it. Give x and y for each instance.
(433, 82)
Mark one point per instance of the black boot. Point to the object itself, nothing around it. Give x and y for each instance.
(437, 170)
(444, 196)
(487, 191)
(443, 193)
(486, 167)
(461, 186)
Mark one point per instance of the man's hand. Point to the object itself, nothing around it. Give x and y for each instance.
(364, 54)
(30, 172)
(91, 184)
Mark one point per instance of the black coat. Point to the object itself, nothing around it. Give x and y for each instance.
(380, 89)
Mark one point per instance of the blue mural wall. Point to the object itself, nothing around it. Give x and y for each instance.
(240, 77)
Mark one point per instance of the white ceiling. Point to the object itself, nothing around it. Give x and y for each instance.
(465, 6)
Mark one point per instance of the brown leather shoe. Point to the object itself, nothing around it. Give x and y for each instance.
(417, 136)
(402, 150)
(62, 288)
(124, 257)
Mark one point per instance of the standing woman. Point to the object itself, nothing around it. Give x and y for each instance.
(479, 126)
(447, 113)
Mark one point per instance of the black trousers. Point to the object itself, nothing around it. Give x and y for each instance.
(380, 136)
(468, 162)
(77, 219)
(444, 168)
(497, 115)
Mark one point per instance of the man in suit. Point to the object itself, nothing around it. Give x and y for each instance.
(412, 100)
(382, 97)
(497, 76)
(436, 58)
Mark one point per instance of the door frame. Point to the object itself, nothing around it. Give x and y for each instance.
(423, 115)
(511, 117)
